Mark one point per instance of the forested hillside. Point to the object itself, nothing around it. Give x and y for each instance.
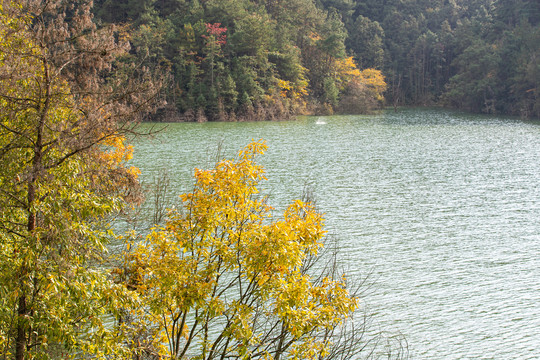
(476, 55)
(255, 59)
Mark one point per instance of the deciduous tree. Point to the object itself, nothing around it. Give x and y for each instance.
(224, 279)
(63, 121)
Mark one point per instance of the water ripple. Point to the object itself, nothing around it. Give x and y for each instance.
(442, 207)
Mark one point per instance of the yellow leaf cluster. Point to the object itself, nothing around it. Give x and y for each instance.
(294, 90)
(117, 152)
(315, 37)
(224, 263)
(285, 87)
(374, 80)
(345, 70)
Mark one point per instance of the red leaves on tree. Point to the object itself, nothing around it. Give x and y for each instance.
(217, 32)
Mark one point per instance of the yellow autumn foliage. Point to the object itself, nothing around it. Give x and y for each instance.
(296, 90)
(61, 177)
(346, 71)
(223, 277)
(117, 152)
(374, 80)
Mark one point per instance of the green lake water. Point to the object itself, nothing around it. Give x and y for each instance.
(441, 208)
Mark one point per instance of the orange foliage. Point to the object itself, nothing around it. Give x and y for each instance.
(118, 153)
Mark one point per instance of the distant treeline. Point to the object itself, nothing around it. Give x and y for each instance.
(265, 59)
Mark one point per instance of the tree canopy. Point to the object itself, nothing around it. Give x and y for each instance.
(229, 59)
(279, 58)
(63, 152)
(222, 278)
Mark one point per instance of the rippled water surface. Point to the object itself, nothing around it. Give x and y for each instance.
(442, 208)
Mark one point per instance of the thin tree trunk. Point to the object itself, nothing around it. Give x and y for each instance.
(37, 166)
(20, 342)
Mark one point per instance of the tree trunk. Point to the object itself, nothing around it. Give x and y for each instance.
(20, 342)
(37, 167)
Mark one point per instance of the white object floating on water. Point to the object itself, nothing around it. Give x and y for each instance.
(320, 122)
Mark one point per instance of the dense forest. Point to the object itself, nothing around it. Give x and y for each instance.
(255, 59)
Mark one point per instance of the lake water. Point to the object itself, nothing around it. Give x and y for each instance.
(442, 209)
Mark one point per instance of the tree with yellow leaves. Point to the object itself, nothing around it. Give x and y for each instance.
(361, 90)
(63, 121)
(223, 278)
